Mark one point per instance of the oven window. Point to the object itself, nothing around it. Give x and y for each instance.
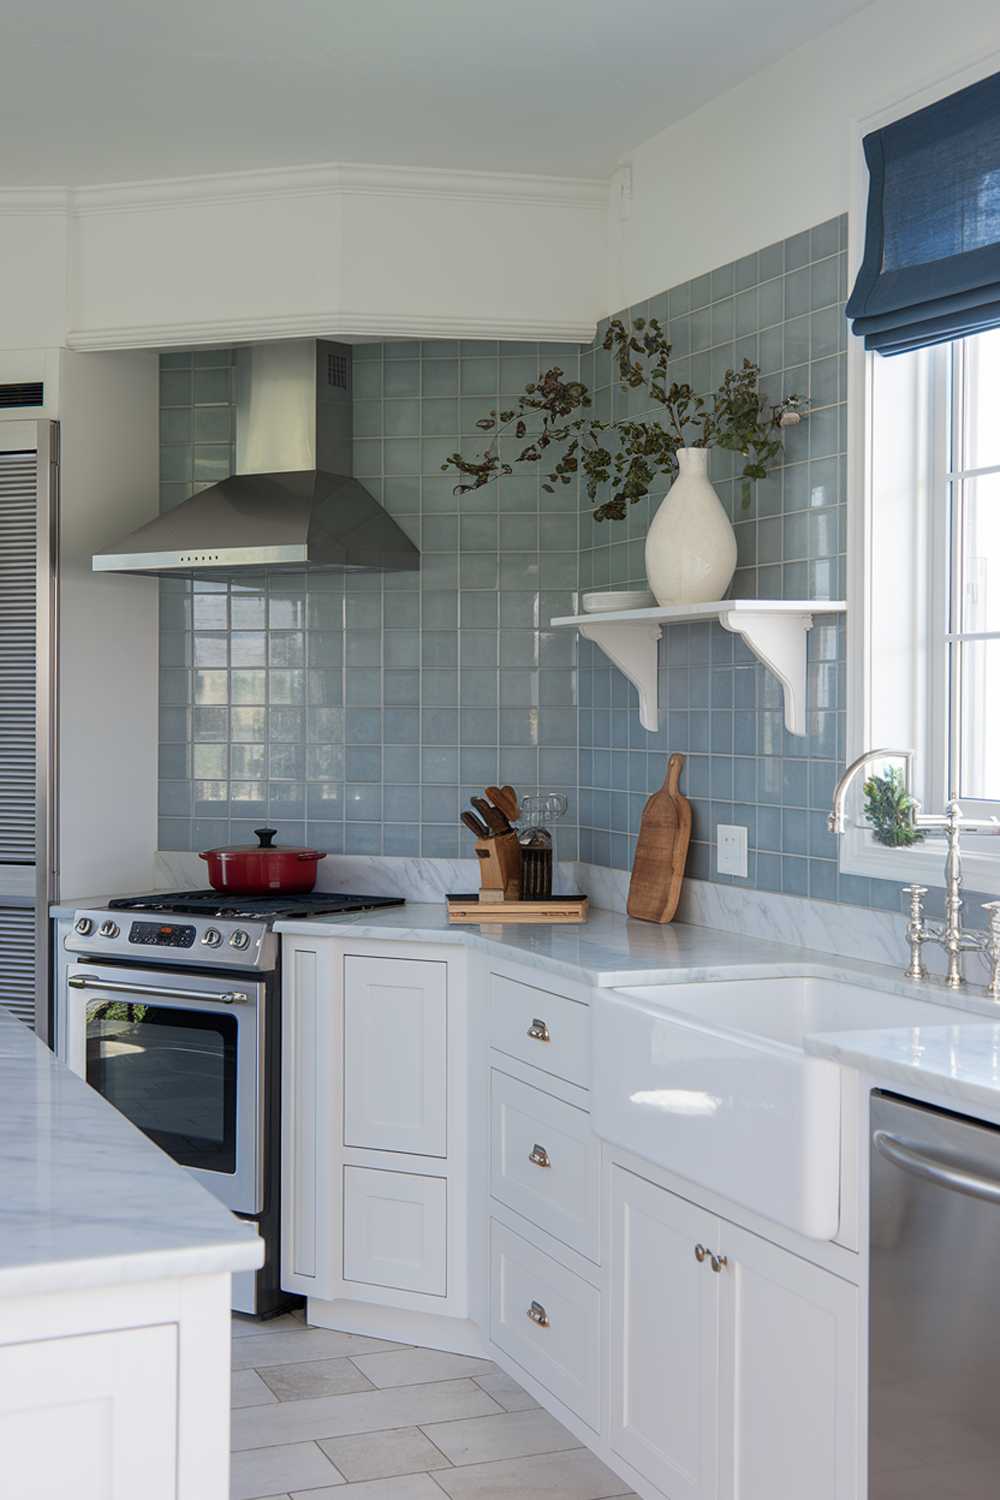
(172, 1072)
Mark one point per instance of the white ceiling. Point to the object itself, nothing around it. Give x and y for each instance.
(96, 91)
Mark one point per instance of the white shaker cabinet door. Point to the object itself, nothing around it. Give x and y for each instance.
(396, 1055)
(789, 1377)
(395, 1230)
(92, 1417)
(665, 1339)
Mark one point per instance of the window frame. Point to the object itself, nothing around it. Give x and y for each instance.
(897, 680)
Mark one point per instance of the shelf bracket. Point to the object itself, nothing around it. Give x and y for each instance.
(780, 643)
(632, 648)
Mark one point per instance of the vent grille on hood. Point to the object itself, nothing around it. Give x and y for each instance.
(292, 503)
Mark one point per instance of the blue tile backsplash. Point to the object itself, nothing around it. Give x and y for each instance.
(359, 714)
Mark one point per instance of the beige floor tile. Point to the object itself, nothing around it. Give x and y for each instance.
(314, 1377)
(362, 1411)
(377, 1455)
(505, 1390)
(269, 1471)
(418, 1366)
(249, 1390)
(295, 1345)
(515, 1434)
(407, 1487)
(576, 1475)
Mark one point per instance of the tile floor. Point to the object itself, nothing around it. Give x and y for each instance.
(318, 1413)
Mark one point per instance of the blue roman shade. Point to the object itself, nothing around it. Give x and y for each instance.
(931, 268)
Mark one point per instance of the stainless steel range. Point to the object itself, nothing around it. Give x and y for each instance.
(171, 1010)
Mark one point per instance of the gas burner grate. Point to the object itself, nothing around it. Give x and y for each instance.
(216, 904)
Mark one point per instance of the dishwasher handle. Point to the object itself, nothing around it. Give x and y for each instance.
(943, 1171)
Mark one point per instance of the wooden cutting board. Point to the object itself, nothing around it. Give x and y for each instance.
(661, 850)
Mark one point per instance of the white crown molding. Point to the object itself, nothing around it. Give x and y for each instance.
(34, 200)
(341, 179)
(326, 324)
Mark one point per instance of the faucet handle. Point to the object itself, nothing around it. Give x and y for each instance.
(916, 934)
(992, 946)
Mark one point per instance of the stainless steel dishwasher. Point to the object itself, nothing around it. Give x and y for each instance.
(934, 1324)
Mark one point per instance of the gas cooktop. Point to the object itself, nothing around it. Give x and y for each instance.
(263, 908)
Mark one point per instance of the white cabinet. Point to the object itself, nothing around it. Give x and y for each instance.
(547, 1030)
(738, 1383)
(94, 1417)
(664, 1339)
(395, 1230)
(375, 1133)
(396, 1055)
(546, 1162)
(789, 1375)
(548, 1320)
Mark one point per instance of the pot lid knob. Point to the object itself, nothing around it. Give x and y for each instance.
(266, 837)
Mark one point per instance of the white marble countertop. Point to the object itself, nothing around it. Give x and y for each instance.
(960, 1062)
(85, 1199)
(611, 951)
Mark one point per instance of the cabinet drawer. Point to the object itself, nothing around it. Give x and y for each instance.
(545, 1162)
(548, 1031)
(548, 1320)
(395, 1230)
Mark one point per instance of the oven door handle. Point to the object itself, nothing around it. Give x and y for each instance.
(161, 992)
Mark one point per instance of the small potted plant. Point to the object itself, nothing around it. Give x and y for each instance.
(889, 809)
(690, 546)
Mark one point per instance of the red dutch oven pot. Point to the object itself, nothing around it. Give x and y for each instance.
(260, 869)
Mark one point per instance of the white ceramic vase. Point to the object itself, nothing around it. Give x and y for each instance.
(691, 545)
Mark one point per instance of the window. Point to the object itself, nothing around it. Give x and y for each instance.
(968, 659)
(924, 452)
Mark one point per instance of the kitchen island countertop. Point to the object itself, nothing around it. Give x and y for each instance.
(85, 1199)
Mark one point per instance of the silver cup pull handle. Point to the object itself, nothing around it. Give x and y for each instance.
(538, 1315)
(539, 1031)
(539, 1156)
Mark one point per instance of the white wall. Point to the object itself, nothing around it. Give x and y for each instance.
(108, 729)
(776, 154)
(33, 265)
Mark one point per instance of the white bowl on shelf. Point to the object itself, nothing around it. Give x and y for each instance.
(616, 599)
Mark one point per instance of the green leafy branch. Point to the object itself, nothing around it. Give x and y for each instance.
(889, 809)
(629, 454)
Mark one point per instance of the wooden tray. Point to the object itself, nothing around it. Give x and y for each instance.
(555, 909)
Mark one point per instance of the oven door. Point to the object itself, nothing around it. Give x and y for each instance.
(181, 1056)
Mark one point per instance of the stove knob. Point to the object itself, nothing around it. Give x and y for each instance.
(109, 929)
(84, 926)
(211, 937)
(240, 939)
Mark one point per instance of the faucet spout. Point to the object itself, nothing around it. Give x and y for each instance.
(836, 821)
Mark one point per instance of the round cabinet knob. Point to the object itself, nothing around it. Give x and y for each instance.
(211, 937)
(109, 929)
(84, 926)
(240, 939)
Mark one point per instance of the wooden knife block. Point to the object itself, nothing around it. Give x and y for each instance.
(500, 867)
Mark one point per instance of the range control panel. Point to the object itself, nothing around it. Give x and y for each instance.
(211, 942)
(162, 934)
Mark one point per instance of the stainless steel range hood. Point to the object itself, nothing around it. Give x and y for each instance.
(291, 505)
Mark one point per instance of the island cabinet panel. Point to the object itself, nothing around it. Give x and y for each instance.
(396, 1055)
(789, 1375)
(664, 1339)
(93, 1417)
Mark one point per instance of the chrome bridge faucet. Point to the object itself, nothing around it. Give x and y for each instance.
(950, 934)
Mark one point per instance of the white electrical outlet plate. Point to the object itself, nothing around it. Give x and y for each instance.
(731, 849)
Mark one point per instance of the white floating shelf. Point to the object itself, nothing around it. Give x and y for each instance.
(774, 629)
